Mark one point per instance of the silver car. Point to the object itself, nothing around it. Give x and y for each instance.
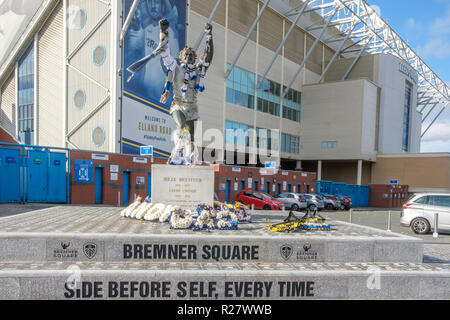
(418, 213)
(292, 201)
(315, 201)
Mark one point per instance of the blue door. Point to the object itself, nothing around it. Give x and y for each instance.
(125, 188)
(98, 185)
(242, 185)
(255, 187)
(37, 182)
(227, 192)
(149, 185)
(268, 187)
(9, 175)
(57, 178)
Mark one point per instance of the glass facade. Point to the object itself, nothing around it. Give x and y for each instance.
(237, 133)
(406, 117)
(267, 139)
(269, 97)
(292, 105)
(290, 144)
(25, 94)
(241, 88)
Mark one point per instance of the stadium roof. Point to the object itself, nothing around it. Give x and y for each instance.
(357, 29)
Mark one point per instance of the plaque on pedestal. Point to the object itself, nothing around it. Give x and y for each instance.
(182, 186)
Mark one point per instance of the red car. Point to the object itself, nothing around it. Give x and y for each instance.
(261, 200)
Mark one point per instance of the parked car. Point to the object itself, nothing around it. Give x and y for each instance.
(346, 203)
(314, 201)
(261, 200)
(418, 213)
(293, 201)
(331, 202)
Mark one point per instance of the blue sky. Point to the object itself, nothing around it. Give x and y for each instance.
(425, 25)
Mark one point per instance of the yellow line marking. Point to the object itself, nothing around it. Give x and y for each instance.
(155, 105)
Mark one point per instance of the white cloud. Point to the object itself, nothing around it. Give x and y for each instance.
(438, 132)
(435, 47)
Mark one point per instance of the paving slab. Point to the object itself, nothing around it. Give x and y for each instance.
(100, 234)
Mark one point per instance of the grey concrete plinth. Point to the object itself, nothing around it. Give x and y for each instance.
(69, 234)
(225, 281)
(183, 186)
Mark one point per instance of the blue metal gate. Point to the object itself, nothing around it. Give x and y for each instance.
(98, 185)
(10, 175)
(126, 188)
(37, 177)
(34, 174)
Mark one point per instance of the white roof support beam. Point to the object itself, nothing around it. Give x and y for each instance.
(338, 52)
(244, 43)
(286, 37)
(429, 112)
(127, 23)
(210, 19)
(311, 50)
(355, 61)
(432, 122)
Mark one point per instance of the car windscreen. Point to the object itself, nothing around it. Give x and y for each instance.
(265, 195)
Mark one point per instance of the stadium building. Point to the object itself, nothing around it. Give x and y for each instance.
(339, 86)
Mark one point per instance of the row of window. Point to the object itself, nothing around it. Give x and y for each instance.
(290, 144)
(329, 145)
(241, 88)
(238, 134)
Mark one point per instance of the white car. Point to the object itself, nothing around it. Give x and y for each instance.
(418, 213)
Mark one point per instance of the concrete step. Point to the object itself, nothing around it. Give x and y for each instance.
(224, 281)
(100, 234)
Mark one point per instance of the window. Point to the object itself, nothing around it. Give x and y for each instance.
(241, 88)
(329, 145)
(237, 133)
(422, 200)
(290, 144)
(292, 105)
(440, 201)
(267, 139)
(406, 117)
(269, 97)
(25, 92)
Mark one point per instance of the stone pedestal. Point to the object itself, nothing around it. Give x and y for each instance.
(182, 186)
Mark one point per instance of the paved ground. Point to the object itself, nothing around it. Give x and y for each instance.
(436, 250)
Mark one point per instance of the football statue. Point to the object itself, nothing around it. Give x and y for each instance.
(186, 78)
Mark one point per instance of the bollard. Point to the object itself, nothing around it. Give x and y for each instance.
(389, 221)
(351, 216)
(283, 208)
(436, 226)
(253, 207)
(118, 199)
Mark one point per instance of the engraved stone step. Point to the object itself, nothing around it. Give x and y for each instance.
(100, 234)
(230, 281)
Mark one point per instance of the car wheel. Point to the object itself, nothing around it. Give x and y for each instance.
(267, 207)
(312, 208)
(329, 207)
(420, 226)
(342, 207)
(295, 207)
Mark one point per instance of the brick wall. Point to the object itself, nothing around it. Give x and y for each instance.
(239, 175)
(5, 137)
(388, 196)
(84, 193)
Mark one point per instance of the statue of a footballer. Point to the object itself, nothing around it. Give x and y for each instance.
(186, 77)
